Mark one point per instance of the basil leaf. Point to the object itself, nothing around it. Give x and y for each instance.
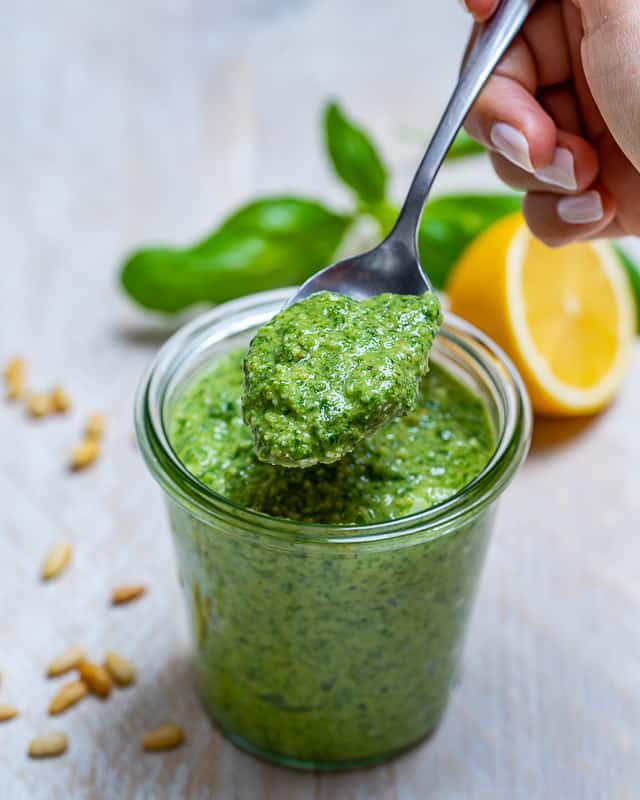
(450, 223)
(464, 147)
(355, 157)
(633, 272)
(271, 243)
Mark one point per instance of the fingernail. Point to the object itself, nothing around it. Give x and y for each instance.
(512, 144)
(561, 172)
(581, 209)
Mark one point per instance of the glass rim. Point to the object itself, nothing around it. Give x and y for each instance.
(188, 491)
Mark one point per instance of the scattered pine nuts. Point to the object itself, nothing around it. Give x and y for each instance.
(125, 594)
(88, 450)
(84, 454)
(65, 661)
(166, 737)
(15, 369)
(60, 400)
(57, 559)
(68, 696)
(96, 677)
(7, 712)
(49, 745)
(14, 374)
(39, 404)
(121, 670)
(96, 426)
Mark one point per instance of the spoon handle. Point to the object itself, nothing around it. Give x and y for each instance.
(490, 44)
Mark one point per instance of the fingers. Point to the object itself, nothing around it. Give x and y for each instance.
(546, 37)
(481, 9)
(562, 104)
(573, 169)
(568, 78)
(537, 63)
(528, 114)
(558, 221)
(508, 118)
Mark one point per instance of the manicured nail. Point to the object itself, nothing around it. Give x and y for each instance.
(561, 172)
(581, 209)
(512, 144)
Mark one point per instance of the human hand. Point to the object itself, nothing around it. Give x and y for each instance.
(561, 117)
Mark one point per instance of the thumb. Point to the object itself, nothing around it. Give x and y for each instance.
(611, 62)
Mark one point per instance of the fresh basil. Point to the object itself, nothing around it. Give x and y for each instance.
(270, 243)
(633, 272)
(451, 222)
(281, 241)
(355, 157)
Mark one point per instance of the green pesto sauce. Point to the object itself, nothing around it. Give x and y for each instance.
(329, 371)
(414, 462)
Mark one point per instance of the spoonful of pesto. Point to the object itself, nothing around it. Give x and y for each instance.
(348, 353)
(328, 371)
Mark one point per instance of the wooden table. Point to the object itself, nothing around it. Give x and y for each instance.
(130, 122)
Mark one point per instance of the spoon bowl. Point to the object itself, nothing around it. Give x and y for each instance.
(389, 267)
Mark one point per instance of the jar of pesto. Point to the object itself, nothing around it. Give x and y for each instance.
(328, 606)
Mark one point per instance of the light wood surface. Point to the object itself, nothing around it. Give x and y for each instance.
(129, 122)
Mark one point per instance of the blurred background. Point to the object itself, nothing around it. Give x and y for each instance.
(130, 123)
(133, 123)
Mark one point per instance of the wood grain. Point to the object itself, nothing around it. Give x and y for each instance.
(129, 122)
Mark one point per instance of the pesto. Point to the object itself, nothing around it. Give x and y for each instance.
(329, 655)
(413, 463)
(329, 371)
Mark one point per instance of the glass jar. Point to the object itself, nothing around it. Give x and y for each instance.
(321, 646)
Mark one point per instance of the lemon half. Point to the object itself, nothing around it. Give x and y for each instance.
(565, 316)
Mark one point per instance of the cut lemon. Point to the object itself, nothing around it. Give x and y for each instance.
(565, 316)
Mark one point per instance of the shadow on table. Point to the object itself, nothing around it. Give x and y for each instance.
(207, 764)
(151, 335)
(142, 328)
(170, 696)
(551, 433)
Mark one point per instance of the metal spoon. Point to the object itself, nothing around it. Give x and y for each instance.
(394, 265)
